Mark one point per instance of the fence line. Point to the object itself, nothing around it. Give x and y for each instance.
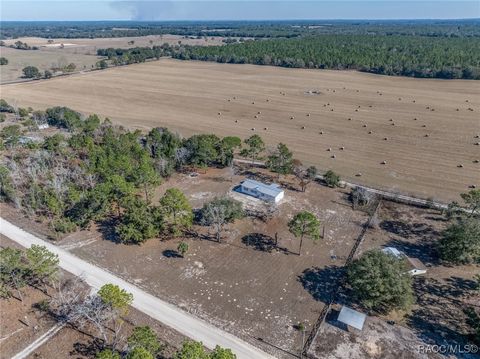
(323, 314)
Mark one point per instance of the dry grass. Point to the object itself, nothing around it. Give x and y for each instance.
(90, 46)
(81, 52)
(44, 60)
(187, 97)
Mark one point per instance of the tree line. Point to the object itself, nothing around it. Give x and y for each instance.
(257, 29)
(413, 56)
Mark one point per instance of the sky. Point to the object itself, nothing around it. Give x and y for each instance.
(69, 10)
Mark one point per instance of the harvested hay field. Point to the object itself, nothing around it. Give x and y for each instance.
(90, 46)
(414, 136)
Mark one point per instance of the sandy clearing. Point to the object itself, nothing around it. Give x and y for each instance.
(187, 96)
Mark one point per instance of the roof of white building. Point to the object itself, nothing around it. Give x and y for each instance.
(269, 189)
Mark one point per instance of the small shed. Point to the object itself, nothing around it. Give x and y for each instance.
(416, 267)
(352, 318)
(266, 192)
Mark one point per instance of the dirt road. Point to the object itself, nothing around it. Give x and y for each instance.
(166, 313)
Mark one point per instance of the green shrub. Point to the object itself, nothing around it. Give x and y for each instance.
(63, 225)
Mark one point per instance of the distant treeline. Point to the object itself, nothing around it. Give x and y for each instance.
(257, 29)
(414, 56)
(137, 54)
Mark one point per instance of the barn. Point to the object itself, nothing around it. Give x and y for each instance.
(266, 192)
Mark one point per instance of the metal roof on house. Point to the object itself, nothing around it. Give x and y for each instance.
(352, 318)
(268, 189)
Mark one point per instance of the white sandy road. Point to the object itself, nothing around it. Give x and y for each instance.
(166, 313)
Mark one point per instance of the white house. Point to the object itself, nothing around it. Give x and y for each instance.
(415, 265)
(266, 192)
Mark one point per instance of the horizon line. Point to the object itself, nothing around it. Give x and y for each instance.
(251, 20)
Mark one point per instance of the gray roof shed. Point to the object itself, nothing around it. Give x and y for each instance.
(352, 318)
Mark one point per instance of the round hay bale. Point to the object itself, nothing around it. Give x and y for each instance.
(385, 138)
(292, 117)
(364, 125)
(303, 127)
(460, 165)
(393, 124)
(255, 116)
(219, 113)
(331, 109)
(321, 132)
(424, 125)
(265, 128)
(414, 118)
(427, 135)
(391, 120)
(333, 156)
(359, 174)
(477, 136)
(477, 143)
(259, 112)
(476, 161)
(253, 102)
(356, 110)
(308, 115)
(253, 128)
(342, 148)
(236, 121)
(457, 109)
(370, 132)
(329, 149)
(384, 162)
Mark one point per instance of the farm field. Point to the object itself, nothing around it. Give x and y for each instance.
(413, 136)
(90, 46)
(43, 60)
(81, 52)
